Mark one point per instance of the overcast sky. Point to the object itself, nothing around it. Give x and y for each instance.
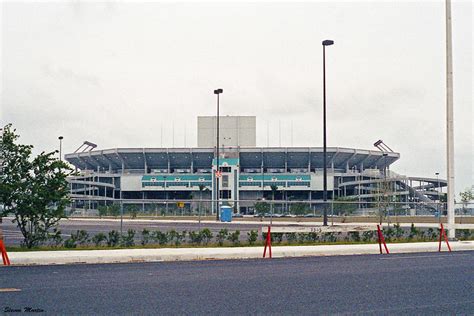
(117, 73)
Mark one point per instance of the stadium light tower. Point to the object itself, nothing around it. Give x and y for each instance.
(60, 147)
(217, 173)
(325, 180)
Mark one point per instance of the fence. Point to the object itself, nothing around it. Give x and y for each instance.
(267, 208)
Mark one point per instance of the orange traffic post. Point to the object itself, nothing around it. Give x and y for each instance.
(3, 250)
(381, 240)
(442, 234)
(268, 243)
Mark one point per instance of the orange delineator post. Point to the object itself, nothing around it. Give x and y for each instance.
(381, 240)
(6, 261)
(268, 243)
(442, 233)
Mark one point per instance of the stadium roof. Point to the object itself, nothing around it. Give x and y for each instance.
(273, 157)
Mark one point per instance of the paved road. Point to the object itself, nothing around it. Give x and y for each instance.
(371, 284)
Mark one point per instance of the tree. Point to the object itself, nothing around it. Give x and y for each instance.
(102, 209)
(274, 189)
(261, 208)
(132, 210)
(114, 210)
(466, 196)
(298, 208)
(33, 190)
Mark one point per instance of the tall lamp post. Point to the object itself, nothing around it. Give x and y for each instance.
(325, 180)
(60, 147)
(439, 198)
(217, 92)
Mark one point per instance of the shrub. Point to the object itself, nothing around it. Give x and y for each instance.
(172, 235)
(431, 234)
(114, 210)
(301, 237)
(330, 237)
(98, 239)
(278, 237)
(413, 232)
(206, 235)
(128, 239)
(70, 242)
(82, 237)
(102, 209)
(113, 238)
(221, 236)
(354, 236)
(55, 238)
(398, 231)
(252, 237)
(180, 238)
(161, 237)
(291, 237)
(234, 237)
(368, 236)
(195, 237)
(388, 233)
(146, 237)
(312, 237)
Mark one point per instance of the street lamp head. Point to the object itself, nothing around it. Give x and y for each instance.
(60, 137)
(218, 91)
(328, 42)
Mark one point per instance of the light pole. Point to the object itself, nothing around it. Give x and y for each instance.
(60, 147)
(439, 198)
(385, 185)
(325, 180)
(217, 92)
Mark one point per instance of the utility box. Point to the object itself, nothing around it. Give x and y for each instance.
(226, 214)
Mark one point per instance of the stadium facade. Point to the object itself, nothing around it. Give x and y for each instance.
(147, 177)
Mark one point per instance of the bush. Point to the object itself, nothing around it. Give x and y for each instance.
(221, 236)
(113, 238)
(206, 235)
(252, 237)
(82, 237)
(312, 237)
(161, 237)
(128, 239)
(195, 237)
(114, 210)
(278, 237)
(388, 233)
(368, 236)
(145, 236)
(55, 238)
(70, 242)
(179, 238)
(234, 237)
(398, 231)
(354, 236)
(98, 239)
(291, 237)
(431, 234)
(413, 232)
(103, 210)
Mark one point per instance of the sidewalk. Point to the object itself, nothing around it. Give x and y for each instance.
(188, 254)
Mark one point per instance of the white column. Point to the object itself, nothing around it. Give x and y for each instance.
(449, 118)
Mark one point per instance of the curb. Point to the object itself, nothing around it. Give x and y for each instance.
(192, 254)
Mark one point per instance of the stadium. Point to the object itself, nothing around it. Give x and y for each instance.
(181, 179)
